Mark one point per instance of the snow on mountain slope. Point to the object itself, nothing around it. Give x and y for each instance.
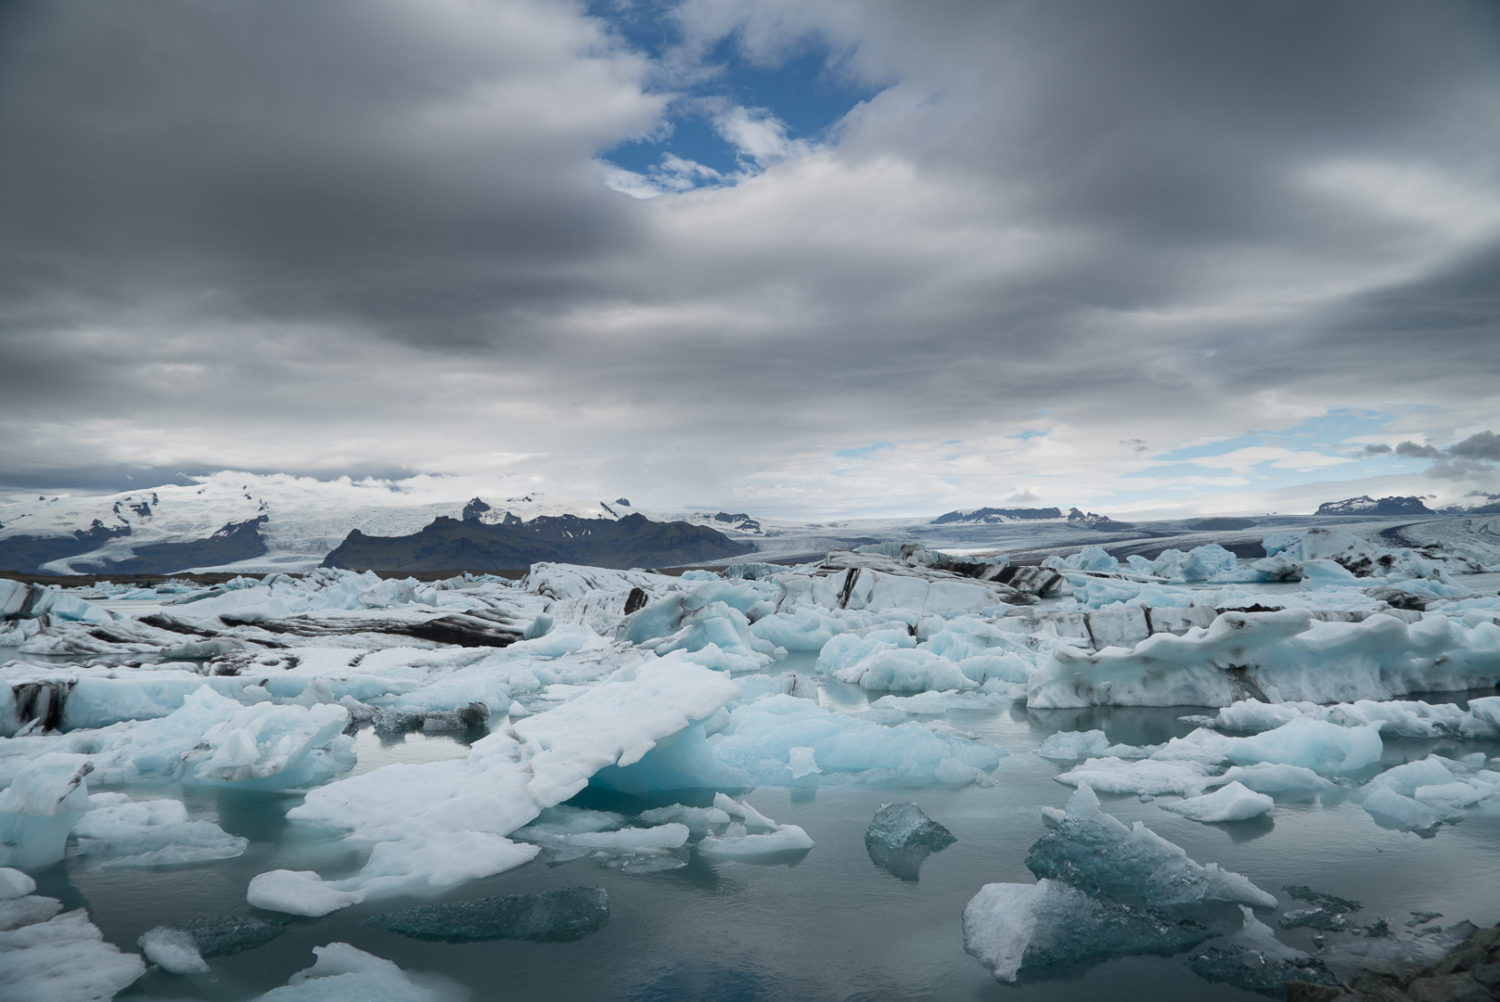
(300, 519)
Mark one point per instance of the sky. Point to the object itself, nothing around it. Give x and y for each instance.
(799, 259)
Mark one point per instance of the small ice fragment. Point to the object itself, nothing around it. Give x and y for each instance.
(14, 883)
(298, 892)
(172, 950)
(900, 837)
(342, 972)
(1233, 802)
(552, 917)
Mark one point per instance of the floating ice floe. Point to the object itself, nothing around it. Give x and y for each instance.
(50, 957)
(118, 831)
(437, 824)
(1231, 802)
(342, 972)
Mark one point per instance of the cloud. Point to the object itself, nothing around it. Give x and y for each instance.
(1376, 449)
(1414, 450)
(366, 235)
(1484, 445)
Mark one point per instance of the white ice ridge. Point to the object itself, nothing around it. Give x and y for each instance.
(437, 824)
(1280, 656)
(1405, 718)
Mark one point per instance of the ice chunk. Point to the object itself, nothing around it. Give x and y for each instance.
(122, 832)
(1097, 853)
(1258, 962)
(63, 958)
(905, 826)
(437, 824)
(1276, 778)
(900, 837)
(172, 950)
(298, 892)
(14, 884)
(1314, 744)
(1011, 927)
(756, 836)
(915, 670)
(1326, 912)
(38, 810)
(552, 917)
(1233, 802)
(783, 840)
(342, 973)
(1385, 804)
(1071, 746)
(1147, 777)
(1284, 655)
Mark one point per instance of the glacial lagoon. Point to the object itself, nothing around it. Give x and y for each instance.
(826, 922)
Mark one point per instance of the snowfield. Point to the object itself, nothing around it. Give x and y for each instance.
(648, 728)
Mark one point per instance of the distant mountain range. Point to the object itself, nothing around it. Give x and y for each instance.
(256, 523)
(277, 522)
(1002, 516)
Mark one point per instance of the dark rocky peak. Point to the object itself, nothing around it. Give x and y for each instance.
(474, 509)
(1366, 505)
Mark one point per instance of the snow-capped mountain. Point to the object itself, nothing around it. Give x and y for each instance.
(1366, 505)
(261, 522)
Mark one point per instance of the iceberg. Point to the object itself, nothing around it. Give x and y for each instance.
(1275, 656)
(1100, 855)
(1011, 927)
(39, 809)
(435, 825)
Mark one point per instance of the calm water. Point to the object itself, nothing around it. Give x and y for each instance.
(830, 925)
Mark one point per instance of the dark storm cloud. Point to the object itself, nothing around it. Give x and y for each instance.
(383, 220)
(296, 162)
(1484, 445)
(1412, 450)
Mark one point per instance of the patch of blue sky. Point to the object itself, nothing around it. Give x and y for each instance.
(1029, 434)
(864, 451)
(802, 89)
(1329, 433)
